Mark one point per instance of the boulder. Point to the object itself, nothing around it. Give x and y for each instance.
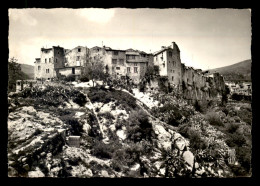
(104, 173)
(35, 174)
(188, 157)
(180, 143)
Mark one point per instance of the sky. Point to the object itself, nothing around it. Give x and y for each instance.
(207, 38)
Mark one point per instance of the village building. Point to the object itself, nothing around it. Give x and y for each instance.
(51, 60)
(169, 63)
(74, 62)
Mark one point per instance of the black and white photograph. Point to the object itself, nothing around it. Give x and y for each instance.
(129, 93)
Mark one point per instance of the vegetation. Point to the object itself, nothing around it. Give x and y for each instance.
(106, 96)
(14, 73)
(95, 70)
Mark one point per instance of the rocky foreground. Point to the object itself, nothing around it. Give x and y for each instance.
(120, 136)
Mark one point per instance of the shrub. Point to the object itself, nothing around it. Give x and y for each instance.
(107, 115)
(214, 119)
(232, 127)
(196, 142)
(201, 106)
(84, 78)
(70, 77)
(76, 128)
(236, 97)
(235, 139)
(101, 150)
(139, 127)
(106, 96)
(79, 98)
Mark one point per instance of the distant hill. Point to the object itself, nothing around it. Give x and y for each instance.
(28, 70)
(237, 72)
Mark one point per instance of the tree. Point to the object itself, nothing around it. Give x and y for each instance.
(14, 73)
(95, 70)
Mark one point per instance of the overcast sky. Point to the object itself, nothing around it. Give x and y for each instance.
(207, 38)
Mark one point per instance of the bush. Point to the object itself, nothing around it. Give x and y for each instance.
(214, 119)
(70, 77)
(84, 78)
(76, 128)
(106, 96)
(196, 142)
(79, 98)
(139, 127)
(235, 139)
(107, 115)
(101, 150)
(232, 127)
(201, 106)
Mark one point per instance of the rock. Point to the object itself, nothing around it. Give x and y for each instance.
(43, 154)
(180, 143)
(196, 165)
(12, 172)
(35, 174)
(135, 167)
(26, 167)
(104, 173)
(188, 157)
(24, 160)
(121, 134)
(162, 171)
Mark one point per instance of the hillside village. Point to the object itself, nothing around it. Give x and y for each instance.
(151, 116)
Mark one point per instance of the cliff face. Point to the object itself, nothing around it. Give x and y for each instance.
(119, 136)
(194, 86)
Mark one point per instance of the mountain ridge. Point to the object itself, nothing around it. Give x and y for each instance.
(28, 70)
(240, 71)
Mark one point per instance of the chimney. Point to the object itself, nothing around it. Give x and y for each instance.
(173, 45)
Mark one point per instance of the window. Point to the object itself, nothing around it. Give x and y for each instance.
(128, 70)
(156, 58)
(114, 61)
(39, 67)
(115, 53)
(73, 70)
(45, 60)
(58, 52)
(56, 60)
(127, 57)
(172, 78)
(79, 49)
(133, 57)
(118, 68)
(121, 61)
(78, 58)
(47, 71)
(135, 70)
(135, 64)
(49, 60)
(173, 71)
(170, 54)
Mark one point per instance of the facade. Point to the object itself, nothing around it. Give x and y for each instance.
(129, 63)
(136, 64)
(169, 63)
(51, 59)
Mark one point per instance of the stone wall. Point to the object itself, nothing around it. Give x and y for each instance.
(77, 56)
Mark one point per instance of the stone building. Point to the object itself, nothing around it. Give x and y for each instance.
(75, 60)
(169, 63)
(51, 60)
(136, 64)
